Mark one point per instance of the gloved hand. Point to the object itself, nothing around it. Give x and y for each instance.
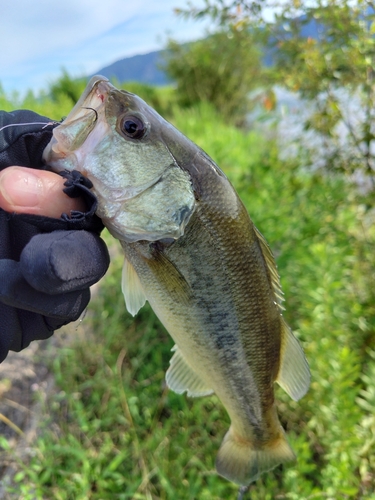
(46, 264)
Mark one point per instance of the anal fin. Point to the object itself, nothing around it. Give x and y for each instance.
(180, 377)
(294, 373)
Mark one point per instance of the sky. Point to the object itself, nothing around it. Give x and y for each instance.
(39, 38)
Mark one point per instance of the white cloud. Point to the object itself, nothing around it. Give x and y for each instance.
(38, 38)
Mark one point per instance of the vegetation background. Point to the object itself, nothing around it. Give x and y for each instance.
(112, 430)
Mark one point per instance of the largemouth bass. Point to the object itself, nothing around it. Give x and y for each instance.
(192, 251)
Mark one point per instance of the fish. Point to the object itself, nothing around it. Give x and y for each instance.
(192, 251)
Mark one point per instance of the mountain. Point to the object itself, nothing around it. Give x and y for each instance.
(143, 68)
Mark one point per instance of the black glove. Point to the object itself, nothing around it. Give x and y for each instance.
(46, 264)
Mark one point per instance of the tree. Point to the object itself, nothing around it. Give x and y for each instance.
(327, 69)
(67, 86)
(221, 69)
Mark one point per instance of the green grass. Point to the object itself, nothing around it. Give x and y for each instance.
(113, 430)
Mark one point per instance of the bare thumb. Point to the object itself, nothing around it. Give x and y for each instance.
(30, 191)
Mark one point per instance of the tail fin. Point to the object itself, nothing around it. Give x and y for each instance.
(241, 463)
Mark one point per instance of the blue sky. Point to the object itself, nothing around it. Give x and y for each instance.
(40, 37)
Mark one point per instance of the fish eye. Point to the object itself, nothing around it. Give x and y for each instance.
(133, 127)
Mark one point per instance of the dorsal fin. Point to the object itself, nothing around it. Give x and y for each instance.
(294, 373)
(132, 289)
(180, 377)
(272, 268)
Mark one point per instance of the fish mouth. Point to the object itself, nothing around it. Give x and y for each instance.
(93, 98)
(81, 122)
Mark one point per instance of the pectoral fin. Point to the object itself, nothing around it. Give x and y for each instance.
(294, 373)
(132, 289)
(180, 377)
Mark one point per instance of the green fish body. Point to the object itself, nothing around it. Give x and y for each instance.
(193, 252)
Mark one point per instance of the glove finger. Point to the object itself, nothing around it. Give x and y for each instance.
(20, 327)
(16, 292)
(24, 327)
(64, 261)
